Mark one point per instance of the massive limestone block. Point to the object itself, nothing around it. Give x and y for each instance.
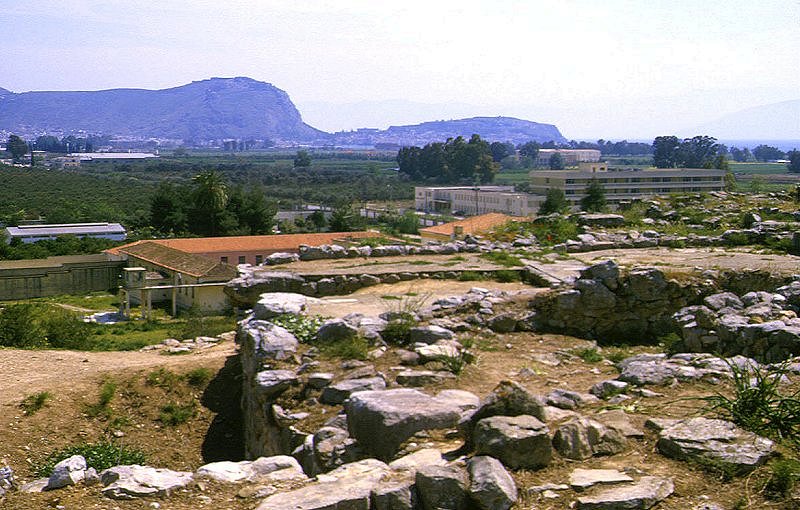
(262, 469)
(490, 487)
(718, 441)
(644, 494)
(245, 290)
(382, 420)
(134, 481)
(442, 488)
(273, 304)
(582, 438)
(517, 441)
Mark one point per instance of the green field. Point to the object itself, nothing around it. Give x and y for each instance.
(759, 168)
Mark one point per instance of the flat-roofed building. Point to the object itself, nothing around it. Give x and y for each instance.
(624, 185)
(475, 200)
(34, 233)
(571, 156)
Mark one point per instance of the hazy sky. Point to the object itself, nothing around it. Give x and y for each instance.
(600, 67)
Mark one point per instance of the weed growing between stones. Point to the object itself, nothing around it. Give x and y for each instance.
(589, 355)
(502, 258)
(757, 403)
(303, 327)
(99, 456)
(402, 317)
(34, 403)
(346, 348)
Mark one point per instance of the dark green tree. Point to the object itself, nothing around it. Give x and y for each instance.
(345, 218)
(501, 150)
(665, 151)
(302, 159)
(317, 218)
(555, 202)
(17, 147)
(167, 209)
(698, 152)
(556, 161)
(767, 152)
(794, 161)
(595, 199)
(256, 215)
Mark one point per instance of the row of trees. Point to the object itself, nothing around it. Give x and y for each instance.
(556, 201)
(697, 152)
(210, 207)
(455, 160)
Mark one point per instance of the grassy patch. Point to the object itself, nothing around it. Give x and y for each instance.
(589, 355)
(198, 377)
(162, 378)
(349, 348)
(103, 405)
(173, 414)
(34, 403)
(507, 276)
(471, 276)
(502, 258)
(100, 456)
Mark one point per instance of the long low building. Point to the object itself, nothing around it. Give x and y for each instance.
(475, 200)
(34, 233)
(624, 185)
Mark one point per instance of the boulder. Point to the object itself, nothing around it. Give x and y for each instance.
(256, 470)
(271, 383)
(571, 400)
(417, 459)
(281, 258)
(269, 342)
(490, 485)
(339, 392)
(419, 378)
(644, 494)
(442, 488)
(508, 399)
(245, 290)
(609, 388)
(67, 472)
(517, 441)
(399, 493)
(134, 481)
(429, 334)
(581, 438)
(348, 487)
(581, 479)
(335, 330)
(502, 323)
(382, 420)
(273, 304)
(718, 441)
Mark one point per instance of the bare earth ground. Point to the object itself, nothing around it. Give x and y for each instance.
(214, 433)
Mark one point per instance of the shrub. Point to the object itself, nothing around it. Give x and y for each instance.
(456, 364)
(757, 403)
(99, 456)
(20, 326)
(33, 403)
(198, 377)
(173, 414)
(471, 276)
(785, 473)
(66, 330)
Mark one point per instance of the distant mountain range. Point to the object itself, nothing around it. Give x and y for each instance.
(226, 108)
(776, 121)
(202, 110)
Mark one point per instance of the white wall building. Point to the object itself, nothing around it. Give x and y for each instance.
(472, 200)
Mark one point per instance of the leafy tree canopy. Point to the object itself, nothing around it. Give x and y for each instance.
(453, 161)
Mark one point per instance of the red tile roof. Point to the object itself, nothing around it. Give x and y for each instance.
(264, 243)
(472, 225)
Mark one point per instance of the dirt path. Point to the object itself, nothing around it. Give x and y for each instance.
(26, 372)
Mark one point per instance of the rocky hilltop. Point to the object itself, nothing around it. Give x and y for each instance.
(224, 108)
(500, 129)
(202, 110)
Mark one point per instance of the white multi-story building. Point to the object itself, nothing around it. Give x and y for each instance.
(474, 200)
(625, 185)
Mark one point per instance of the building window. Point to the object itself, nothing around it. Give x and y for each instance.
(259, 259)
(241, 259)
(224, 260)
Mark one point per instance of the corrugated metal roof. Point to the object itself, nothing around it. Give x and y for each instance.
(64, 229)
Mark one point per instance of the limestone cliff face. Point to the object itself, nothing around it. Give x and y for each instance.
(202, 110)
